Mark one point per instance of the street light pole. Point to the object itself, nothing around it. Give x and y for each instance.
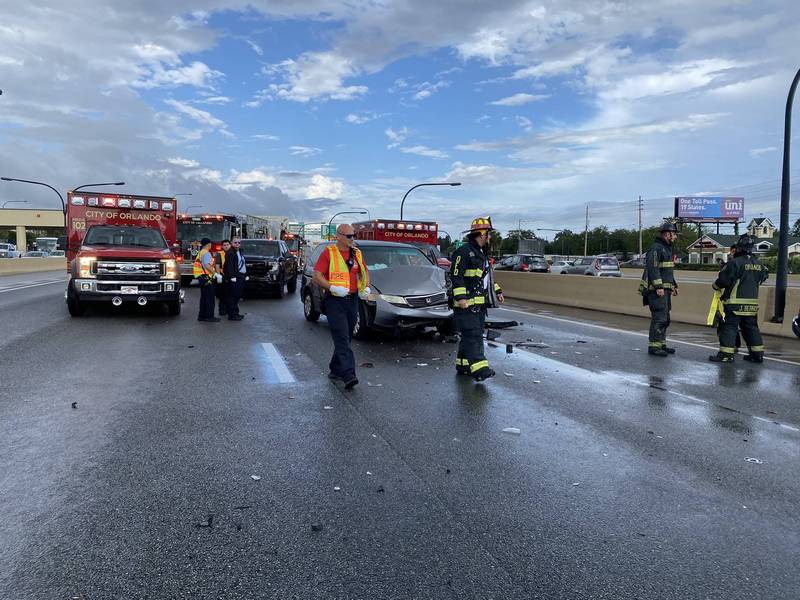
(47, 185)
(783, 238)
(344, 212)
(369, 217)
(192, 206)
(452, 184)
(85, 185)
(13, 202)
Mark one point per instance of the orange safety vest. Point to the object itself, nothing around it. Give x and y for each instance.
(197, 267)
(339, 274)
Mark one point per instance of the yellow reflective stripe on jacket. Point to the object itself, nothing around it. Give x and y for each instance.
(667, 264)
(197, 266)
(472, 301)
(473, 273)
(727, 350)
(460, 291)
(497, 289)
(756, 348)
(656, 282)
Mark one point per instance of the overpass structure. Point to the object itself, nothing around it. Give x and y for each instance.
(22, 219)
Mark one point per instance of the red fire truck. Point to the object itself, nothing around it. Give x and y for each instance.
(423, 234)
(120, 249)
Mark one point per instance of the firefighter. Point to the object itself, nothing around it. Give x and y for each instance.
(204, 271)
(474, 291)
(739, 282)
(221, 289)
(658, 286)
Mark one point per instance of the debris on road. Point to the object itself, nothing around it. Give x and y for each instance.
(422, 364)
(380, 489)
(508, 374)
(369, 473)
(492, 345)
(327, 408)
(757, 461)
(492, 335)
(336, 488)
(74, 405)
(367, 365)
(582, 342)
(207, 523)
(531, 344)
(190, 346)
(509, 348)
(576, 484)
(316, 527)
(255, 477)
(536, 381)
(512, 430)
(370, 384)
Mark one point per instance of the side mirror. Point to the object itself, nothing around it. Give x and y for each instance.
(61, 243)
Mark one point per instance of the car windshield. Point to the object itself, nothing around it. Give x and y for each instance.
(608, 262)
(5, 247)
(105, 235)
(383, 257)
(259, 248)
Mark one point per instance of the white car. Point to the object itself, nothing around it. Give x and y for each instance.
(559, 266)
(9, 251)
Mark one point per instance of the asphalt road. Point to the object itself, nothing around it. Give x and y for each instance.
(629, 477)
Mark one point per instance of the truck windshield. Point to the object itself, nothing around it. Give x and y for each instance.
(104, 235)
(383, 257)
(259, 248)
(194, 232)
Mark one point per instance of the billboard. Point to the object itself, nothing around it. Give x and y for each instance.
(712, 209)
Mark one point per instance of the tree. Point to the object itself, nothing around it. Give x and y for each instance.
(795, 232)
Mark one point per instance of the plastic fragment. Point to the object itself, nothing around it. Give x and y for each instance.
(536, 381)
(74, 405)
(422, 364)
(255, 477)
(370, 384)
(576, 484)
(336, 488)
(508, 374)
(757, 461)
(367, 365)
(327, 408)
(369, 473)
(512, 430)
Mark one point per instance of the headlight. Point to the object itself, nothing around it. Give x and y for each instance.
(170, 268)
(85, 263)
(394, 299)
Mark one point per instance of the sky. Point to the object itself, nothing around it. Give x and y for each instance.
(305, 109)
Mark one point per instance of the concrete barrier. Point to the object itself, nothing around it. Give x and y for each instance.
(620, 295)
(17, 266)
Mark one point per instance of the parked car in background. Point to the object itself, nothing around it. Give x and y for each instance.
(531, 263)
(560, 267)
(408, 291)
(9, 251)
(58, 254)
(636, 263)
(597, 266)
(270, 267)
(35, 254)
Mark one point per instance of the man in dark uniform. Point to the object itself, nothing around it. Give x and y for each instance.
(474, 291)
(235, 275)
(658, 287)
(739, 282)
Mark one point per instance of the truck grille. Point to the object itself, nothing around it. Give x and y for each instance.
(258, 268)
(129, 270)
(116, 287)
(423, 301)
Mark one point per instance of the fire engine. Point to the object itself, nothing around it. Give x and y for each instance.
(423, 234)
(120, 250)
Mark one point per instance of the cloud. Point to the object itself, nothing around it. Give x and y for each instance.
(196, 74)
(520, 99)
(255, 47)
(201, 116)
(424, 151)
(315, 76)
(265, 136)
(361, 118)
(758, 152)
(304, 151)
(255, 177)
(396, 137)
(324, 187)
(183, 162)
(214, 100)
(427, 89)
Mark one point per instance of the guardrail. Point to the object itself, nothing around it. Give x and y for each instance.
(621, 296)
(17, 266)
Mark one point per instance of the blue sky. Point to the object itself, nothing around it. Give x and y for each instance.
(306, 109)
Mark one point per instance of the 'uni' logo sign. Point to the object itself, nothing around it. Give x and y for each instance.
(733, 204)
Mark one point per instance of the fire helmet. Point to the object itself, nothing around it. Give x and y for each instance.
(480, 224)
(668, 226)
(745, 244)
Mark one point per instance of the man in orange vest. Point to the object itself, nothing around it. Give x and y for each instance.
(341, 271)
(206, 274)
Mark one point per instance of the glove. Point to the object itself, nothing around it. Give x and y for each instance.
(218, 277)
(340, 291)
(247, 278)
(233, 279)
(365, 293)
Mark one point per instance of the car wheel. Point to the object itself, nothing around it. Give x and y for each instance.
(308, 308)
(186, 281)
(360, 329)
(291, 287)
(74, 306)
(446, 328)
(174, 308)
(280, 288)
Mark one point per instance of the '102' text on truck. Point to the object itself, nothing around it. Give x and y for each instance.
(120, 250)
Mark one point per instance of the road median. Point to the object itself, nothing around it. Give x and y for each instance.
(621, 296)
(19, 266)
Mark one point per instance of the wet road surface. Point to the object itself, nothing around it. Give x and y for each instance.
(631, 476)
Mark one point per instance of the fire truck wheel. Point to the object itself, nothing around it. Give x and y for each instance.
(74, 306)
(291, 286)
(174, 308)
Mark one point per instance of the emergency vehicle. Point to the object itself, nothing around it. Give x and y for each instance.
(120, 250)
(423, 234)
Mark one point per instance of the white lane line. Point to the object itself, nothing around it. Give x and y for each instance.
(636, 333)
(14, 289)
(278, 365)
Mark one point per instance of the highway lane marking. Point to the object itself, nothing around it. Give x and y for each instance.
(278, 364)
(14, 289)
(636, 333)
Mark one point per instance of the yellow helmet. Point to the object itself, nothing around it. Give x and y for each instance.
(480, 224)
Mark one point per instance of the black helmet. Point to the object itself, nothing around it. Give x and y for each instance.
(668, 226)
(745, 244)
(796, 325)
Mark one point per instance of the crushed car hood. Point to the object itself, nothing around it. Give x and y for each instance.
(408, 281)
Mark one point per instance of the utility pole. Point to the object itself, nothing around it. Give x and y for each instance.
(641, 206)
(586, 233)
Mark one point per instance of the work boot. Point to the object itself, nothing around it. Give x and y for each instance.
(669, 350)
(351, 383)
(657, 352)
(721, 357)
(483, 373)
(755, 357)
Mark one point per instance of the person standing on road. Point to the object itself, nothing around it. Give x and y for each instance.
(739, 282)
(341, 271)
(206, 274)
(658, 286)
(235, 274)
(221, 289)
(474, 291)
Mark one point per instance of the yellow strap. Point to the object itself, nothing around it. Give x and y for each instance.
(715, 308)
(478, 365)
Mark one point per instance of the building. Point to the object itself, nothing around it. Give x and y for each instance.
(713, 248)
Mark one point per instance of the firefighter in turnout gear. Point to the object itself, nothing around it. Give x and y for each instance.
(474, 291)
(739, 282)
(658, 287)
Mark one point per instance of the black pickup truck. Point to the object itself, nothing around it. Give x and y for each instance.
(270, 267)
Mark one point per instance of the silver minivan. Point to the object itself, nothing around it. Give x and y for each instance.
(597, 266)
